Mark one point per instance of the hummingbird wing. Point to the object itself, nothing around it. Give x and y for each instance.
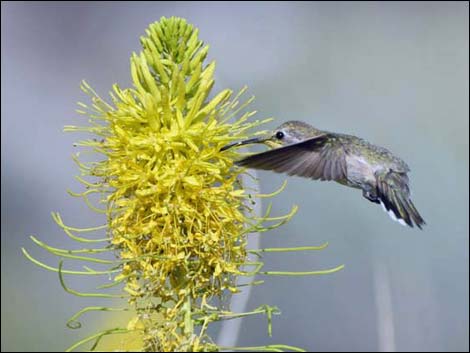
(320, 158)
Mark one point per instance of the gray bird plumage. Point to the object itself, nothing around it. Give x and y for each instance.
(302, 150)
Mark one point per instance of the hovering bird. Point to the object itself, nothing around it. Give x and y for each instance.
(300, 149)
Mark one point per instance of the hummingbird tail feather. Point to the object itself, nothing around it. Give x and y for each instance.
(397, 203)
(391, 214)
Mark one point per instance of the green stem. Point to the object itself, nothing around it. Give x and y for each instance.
(96, 336)
(88, 251)
(188, 321)
(72, 323)
(301, 273)
(268, 348)
(301, 248)
(89, 271)
(254, 283)
(64, 253)
(80, 230)
(67, 231)
(80, 294)
(274, 193)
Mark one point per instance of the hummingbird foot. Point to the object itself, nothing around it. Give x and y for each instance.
(370, 196)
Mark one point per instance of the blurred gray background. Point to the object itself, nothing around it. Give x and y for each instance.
(393, 73)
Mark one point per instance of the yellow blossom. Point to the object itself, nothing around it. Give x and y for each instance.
(177, 216)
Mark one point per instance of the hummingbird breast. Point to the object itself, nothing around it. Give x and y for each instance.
(360, 173)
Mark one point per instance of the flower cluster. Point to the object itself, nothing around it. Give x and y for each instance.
(177, 214)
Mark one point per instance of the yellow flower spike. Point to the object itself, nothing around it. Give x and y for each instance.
(177, 213)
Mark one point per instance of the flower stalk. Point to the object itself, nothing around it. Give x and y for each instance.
(177, 215)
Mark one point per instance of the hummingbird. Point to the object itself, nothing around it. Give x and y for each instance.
(299, 149)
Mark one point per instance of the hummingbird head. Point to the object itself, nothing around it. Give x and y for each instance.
(286, 134)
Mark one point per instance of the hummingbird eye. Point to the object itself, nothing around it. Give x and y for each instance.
(279, 135)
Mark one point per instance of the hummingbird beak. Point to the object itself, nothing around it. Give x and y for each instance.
(245, 142)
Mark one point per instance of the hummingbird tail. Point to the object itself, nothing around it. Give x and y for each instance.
(397, 203)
